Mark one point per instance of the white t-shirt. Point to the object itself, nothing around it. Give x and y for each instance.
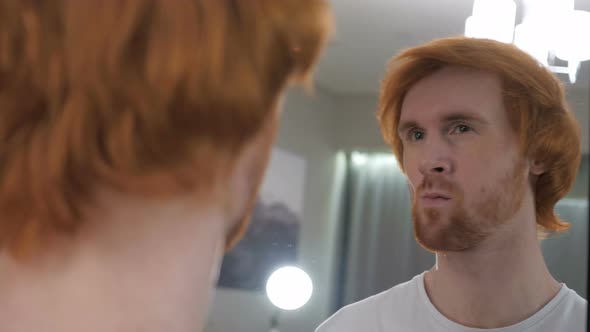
(406, 307)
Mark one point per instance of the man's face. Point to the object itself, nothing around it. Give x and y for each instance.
(461, 158)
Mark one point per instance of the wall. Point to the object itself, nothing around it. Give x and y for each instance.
(357, 122)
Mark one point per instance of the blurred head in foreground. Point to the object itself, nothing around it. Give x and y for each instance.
(134, 136)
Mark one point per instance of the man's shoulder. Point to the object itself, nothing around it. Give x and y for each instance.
(575, 304)
(566, 312)
(367, 314)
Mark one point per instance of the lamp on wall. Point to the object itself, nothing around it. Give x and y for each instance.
(288, 288)
(550, 30)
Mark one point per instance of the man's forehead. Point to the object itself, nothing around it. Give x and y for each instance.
(452, 92)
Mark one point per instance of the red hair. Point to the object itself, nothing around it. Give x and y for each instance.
(533, 97)
(144, 96)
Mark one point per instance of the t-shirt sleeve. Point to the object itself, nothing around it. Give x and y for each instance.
(352, 318)
(341, 321)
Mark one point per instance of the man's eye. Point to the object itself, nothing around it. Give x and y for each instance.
(461, 129)
(416, 135)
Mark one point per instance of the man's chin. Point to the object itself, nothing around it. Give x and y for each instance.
(431, 244)
(438, 240)
(447, 240)
(438, 248)
(427, 236)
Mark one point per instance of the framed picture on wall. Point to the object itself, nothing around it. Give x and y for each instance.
(273, 235)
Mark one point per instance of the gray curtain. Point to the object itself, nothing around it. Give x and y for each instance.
(567, 254)
(380, 250)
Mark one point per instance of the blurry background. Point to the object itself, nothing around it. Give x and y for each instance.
(354, 235)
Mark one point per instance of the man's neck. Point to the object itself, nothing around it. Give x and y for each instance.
(145, 268)
(502, 282)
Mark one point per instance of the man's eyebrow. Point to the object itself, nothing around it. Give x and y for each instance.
(405, 126)
(462, 116)
(451, 117)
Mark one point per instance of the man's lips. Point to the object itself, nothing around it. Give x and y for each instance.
(434, 199)
(435, 195)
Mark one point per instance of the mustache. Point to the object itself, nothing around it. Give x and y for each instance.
(437, 183)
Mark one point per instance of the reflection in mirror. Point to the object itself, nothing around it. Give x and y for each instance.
(336, 203)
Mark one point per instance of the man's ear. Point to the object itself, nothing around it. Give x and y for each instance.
(537, 168)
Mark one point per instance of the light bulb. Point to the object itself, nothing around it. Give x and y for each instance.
(289, 288)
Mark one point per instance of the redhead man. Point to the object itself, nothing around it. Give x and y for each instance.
(134, 135)
(488, 145)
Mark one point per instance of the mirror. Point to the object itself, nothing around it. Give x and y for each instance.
(335, 202)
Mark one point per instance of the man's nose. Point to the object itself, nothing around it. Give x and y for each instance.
(436, 160)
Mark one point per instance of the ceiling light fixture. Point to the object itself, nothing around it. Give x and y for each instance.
(550, 30)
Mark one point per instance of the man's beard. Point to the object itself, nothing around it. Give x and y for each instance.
(456, 227)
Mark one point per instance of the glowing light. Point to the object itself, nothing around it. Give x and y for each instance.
(573, 44)
(527, 38)
(289, 288)
(492, 19)
(359, 159)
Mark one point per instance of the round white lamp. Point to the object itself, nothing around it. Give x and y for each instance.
(288, 288)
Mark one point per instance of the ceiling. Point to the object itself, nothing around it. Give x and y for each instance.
(369, 32)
